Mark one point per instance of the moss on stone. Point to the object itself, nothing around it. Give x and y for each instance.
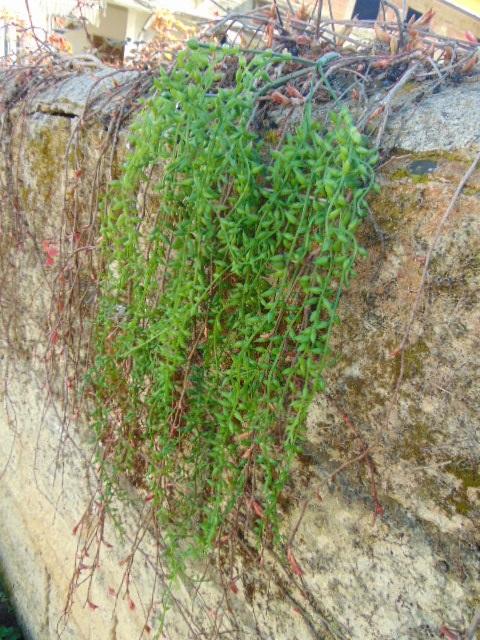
(471, 191)
(435, 156)
(469, 477)
(418, 437)
(403, 173)
(399, 174)
(413, 360)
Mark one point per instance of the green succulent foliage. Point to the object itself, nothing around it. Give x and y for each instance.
(217, 308)
(10, 633)
(7, 632)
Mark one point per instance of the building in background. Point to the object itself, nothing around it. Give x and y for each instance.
(21, 21)
(120, 24)
(452, 17)
(114, 29)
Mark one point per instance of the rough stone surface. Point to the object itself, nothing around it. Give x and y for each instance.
(69, 96)
(396, 576)
(445, 121)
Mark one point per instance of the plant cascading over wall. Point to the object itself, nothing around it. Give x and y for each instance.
(218, 303)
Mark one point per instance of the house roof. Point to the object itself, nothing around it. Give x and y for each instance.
(472, 7)
(140, 5)
(208, 8)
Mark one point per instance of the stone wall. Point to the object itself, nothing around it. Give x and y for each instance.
(396, 575)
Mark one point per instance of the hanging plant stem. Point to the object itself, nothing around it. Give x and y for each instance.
(218, 306)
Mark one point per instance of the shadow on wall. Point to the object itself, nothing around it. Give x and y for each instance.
(9, 629)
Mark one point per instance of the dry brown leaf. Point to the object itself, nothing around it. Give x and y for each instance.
(279, 98)
(381, 35)
(303, 40)
(257, 508)
(293, 92)
(414, 43)
(248, 452)
(377, 112)
(243, 436)
(412, 31)
(303, 13)
(469, 66)
(383, 63)
(297, 570)
(448, 54)
(393, 45)
(470, 37)
(269, 33)
(425, 19)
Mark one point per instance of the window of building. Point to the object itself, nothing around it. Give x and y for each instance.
(413, 13)
(8, 39)
(366, 9)
(107, 50)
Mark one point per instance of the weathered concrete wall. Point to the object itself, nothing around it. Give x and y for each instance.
(394, 577)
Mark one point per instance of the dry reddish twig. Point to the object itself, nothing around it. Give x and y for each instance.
(387, 101)
(365, 454)
(295, 567)
(297, 525)
(348, 463)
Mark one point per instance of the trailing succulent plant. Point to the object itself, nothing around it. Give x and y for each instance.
(217, 305)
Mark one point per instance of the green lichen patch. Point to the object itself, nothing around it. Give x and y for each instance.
(413, 360)
(418, 438)
(466, 472)
(404, 173)
(44, 157)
